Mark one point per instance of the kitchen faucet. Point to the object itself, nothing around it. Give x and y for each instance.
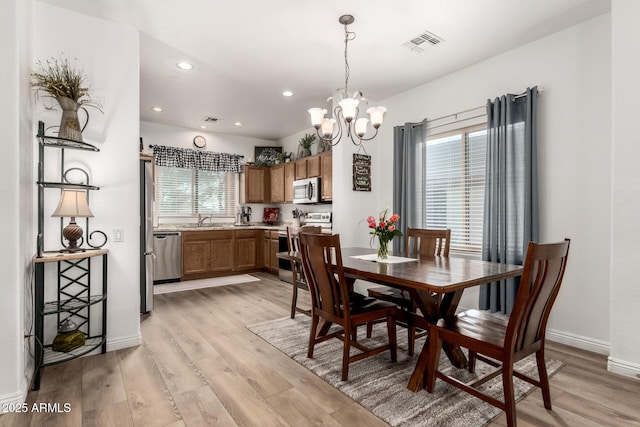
(201, 219)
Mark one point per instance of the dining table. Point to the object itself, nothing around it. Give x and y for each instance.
(435, 284)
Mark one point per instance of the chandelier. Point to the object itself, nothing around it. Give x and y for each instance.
(348, 109)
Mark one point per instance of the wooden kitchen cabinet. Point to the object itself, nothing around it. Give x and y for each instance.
(300, 168)
(222, 251)
(255, 180)
(313, 166)
(246, 247)
(307, 167)
(196, 256)
(277, 178)
(207, 253)
(270, 247)
(289, 177)
(326, 175)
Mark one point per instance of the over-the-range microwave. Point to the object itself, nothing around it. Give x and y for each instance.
(306, 190)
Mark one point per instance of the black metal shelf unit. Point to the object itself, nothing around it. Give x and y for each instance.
(76, 299)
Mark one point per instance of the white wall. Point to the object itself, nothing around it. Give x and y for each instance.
(157, 134)
(108, 55)
(574, 129)
(625, 201)
(16, 214)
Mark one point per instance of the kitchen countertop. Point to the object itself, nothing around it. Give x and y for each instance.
(209, 227)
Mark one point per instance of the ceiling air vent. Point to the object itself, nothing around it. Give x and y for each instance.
(210, 119)
(422, 41)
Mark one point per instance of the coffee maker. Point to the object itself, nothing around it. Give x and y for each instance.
(245, 214)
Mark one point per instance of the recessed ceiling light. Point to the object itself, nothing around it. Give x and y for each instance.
(238, 123)
(157, 109)
(287, 93)
(183, 65)
(203, 127)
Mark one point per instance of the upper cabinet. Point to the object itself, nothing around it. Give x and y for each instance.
(274, 184)
(307, 167)
(289, 177)
(277, 175)
(256, 184)
(326, 175)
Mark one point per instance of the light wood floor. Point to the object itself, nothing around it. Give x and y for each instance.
(199, 365)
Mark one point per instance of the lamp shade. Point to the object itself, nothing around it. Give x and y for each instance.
(327, 127)
(361, 126)
(73, 203)
(317, 115)
(376, 114)
(349, 108)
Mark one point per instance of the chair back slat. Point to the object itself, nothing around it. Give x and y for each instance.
(542, 275)
(293, 245)
(427, 242)
(322, 262)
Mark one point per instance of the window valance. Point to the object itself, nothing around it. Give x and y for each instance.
(187, 158)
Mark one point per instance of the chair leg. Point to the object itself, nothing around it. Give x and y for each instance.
(544, 378)
(312, 334)
(472, 361)
(435, 345)
(509, 397)
(294, 300)
(411, 337)
(345, 356)
(369, 329)
(391, 332)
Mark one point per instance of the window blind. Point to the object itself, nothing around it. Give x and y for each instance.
(189, 192)
(454, 186)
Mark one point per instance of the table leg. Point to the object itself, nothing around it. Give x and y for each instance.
(433, 309)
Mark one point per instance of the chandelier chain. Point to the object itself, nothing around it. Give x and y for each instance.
(348, 36)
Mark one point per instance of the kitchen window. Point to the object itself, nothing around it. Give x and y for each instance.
(453, 182)
(190, 192)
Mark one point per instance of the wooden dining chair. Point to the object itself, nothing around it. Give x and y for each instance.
(298, 279)
(334, 302)
(500, 342)
(418, 242)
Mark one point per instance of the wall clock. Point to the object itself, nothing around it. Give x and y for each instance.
(199, 141)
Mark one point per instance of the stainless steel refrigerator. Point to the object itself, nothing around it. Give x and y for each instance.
(146, 236)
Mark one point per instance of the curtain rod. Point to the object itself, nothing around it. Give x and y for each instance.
(239, 155)
(455, 115)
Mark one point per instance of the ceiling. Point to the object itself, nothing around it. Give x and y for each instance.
(246, 53)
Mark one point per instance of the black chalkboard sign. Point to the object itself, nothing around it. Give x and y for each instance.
(361, 172)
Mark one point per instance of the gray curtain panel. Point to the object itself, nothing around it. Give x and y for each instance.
(408, 163)
(511, 191)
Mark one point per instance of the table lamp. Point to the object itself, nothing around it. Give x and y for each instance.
(73, 203)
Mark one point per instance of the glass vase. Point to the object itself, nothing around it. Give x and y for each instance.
(383, 249)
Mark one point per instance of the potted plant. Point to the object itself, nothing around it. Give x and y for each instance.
(284, 157)
(304, 149)
(58, 79)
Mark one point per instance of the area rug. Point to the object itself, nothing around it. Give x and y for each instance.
(381, 386)
(188, 285)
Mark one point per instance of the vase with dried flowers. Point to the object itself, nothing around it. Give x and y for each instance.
(58, 79)
(385, 230)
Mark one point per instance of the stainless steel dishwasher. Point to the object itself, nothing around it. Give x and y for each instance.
(167, 247)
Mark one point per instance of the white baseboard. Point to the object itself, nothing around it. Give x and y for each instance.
(622, 367)
(7, 401)
(584, 343)
(124, 342)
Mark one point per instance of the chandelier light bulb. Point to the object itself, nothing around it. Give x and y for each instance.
(361, 126)
(349, 108)
(376, 114)
(327, 128)
(317, 116)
